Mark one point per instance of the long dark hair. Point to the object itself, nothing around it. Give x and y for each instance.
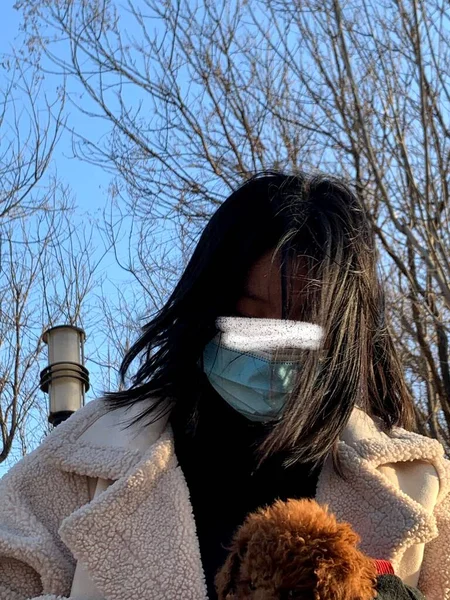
(320, 219)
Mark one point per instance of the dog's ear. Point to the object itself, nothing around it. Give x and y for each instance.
(228, 576)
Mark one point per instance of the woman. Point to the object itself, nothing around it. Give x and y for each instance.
(270, 372)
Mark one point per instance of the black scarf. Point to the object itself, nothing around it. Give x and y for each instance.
(219, 463)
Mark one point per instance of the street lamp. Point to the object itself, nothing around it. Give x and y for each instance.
(65, 379)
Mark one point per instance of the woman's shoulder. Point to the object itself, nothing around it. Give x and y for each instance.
(365, 435)
(114, 428)
(93, 441)
(400, 445)
(66, 431)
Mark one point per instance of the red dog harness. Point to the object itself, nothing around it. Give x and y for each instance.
(384, 567)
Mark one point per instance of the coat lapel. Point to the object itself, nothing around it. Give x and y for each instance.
(388, 520)
(137, 539)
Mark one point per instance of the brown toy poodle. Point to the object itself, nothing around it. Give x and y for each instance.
(296, 550)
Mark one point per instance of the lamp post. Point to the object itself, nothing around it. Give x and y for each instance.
(65, 379)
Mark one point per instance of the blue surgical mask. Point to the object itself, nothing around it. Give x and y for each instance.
(255, 387)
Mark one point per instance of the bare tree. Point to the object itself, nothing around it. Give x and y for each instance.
(45, 270)
(28, 139)
(44, 281)
(197, 95)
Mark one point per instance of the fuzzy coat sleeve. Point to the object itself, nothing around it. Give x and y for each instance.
(435, 571)
(34, 500)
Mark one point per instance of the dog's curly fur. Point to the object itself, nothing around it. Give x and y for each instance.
(296, 549)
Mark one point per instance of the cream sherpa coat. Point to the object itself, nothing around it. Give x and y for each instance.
(135, 539)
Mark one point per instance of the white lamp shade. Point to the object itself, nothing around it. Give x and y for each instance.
(65, 378)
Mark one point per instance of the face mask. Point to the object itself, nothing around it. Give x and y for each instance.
(244, 365)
